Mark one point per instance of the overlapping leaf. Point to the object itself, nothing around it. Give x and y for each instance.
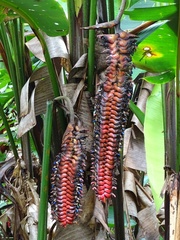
(48, 15)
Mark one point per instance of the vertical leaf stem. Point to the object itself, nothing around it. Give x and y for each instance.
(178, 96)
(12, 71)
(91, 49)
(111, 14)
(9, 133)
(43, 205)
(86, 7)
(72, 30)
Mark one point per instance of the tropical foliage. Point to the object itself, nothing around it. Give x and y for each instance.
(48, 80)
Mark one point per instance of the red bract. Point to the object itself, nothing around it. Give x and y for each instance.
(67, 176)
(111, 109)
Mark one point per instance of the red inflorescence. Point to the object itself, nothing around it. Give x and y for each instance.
(67, 176)
(111, 110)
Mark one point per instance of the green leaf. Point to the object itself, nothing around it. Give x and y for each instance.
(157, 52)
(111, 217)
(48, 15)
(146, 32)
(165, 1)
(78, 5)
(2, 14)
(154, 143)
(4, 97)
(2, 156)
(4, 79)
(161, 78)
(139, 114)
(152, 14)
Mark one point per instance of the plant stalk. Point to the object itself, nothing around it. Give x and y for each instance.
(12, 71)
(111, 14)
(91, 49)
(177, 95)
(9, 133)
(43, 205)
(86, 7)
(118, 206)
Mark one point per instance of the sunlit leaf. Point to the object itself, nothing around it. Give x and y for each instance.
(152, 14)
(157, 52)
(48, 15)
(161, 78)
(149, 30)
(154, 143)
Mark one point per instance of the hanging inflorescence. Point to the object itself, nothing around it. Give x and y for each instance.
(67, 176)
(111, 109)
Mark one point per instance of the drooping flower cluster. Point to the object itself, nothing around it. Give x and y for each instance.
(111, 109)
(67, 176)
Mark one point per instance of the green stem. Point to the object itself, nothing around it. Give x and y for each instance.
(43, 205)
(12, 71)
(52, 73)
(111, 14)
(178, 97)
(14, 30)
(139, 114)
(86, 7)
(72, 30)
(9, 133)
(91, 49)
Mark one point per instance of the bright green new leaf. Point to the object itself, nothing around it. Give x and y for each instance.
(4, 79)
(4, 97)
(161, 78)
(48, 15)
(157, 52)
(154, 143)
(152, 14)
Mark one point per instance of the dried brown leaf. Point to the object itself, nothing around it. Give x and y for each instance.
(144, 199)
(43, 94)
(56, 47)
(83, 112)
(148, 224)
(74, 232)
(35, 47)
(173, 189)
(99, 214)
(29, 121)
(79, 69)
(146, 90)
(130, 193)
(135, 154)
(87, 207)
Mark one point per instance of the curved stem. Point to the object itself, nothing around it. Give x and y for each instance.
(70, 106)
